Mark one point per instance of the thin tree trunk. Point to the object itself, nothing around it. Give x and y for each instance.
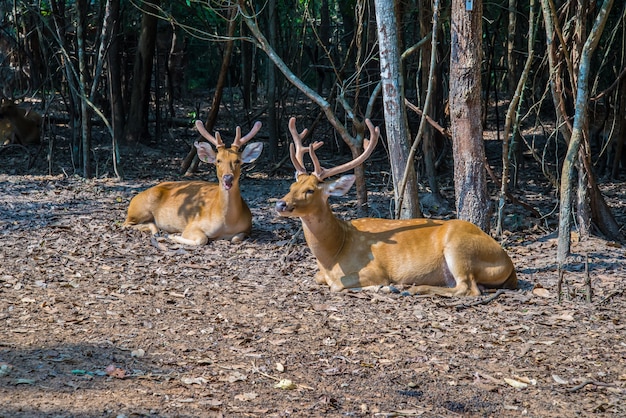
(137, 124)
(580, 121)
(430, 85)
(190, 162)
(81, 13)
(114, 78)
(510, 122)
(272, 116)
(407, 204)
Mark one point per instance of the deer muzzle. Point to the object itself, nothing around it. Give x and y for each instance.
(282, 207)
(227, 181)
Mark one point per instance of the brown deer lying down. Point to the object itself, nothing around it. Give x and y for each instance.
(198, 209)
(448, 258)
(19, 126)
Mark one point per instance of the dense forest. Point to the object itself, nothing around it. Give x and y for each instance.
(542, 78)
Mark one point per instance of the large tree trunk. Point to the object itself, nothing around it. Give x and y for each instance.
(395, 112)
(137, 124)
(470, 183)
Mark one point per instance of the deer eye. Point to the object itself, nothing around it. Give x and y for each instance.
(309, 191)
(218, 161)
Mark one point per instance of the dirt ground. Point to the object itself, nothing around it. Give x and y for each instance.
(101, 321)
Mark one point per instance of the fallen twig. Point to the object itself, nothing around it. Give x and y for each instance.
(484, 301)
(610, 295)
(590, 382)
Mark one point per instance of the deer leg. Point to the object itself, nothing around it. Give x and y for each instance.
(147, 227)
(191, 237)
(238, 238)
(465, 286)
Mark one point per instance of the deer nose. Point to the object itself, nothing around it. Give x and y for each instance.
(227, 180)
(281, 206)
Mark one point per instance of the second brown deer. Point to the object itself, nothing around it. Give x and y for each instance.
(448, 258)
(199, 210)
(17, 125)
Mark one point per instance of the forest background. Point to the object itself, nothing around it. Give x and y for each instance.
(509, 113)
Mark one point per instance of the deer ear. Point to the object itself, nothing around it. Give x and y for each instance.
(205, 152)
(340, 186)
(252, 152)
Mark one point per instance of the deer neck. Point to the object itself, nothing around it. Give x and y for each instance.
(232, 203)
(325, 235)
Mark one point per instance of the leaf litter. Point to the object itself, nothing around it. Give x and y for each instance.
(245, 330)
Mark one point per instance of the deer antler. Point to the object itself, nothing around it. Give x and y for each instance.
(239, 141)
(296, 150)
(321, 173)
(215, 140)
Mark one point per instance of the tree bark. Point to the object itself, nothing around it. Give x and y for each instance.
(392, 79)
(470, 183)
(137, 124)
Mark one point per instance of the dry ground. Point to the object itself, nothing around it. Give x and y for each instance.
(101, 321)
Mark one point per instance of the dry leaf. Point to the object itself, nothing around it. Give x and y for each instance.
(246, 396)
(138, 353)
(542, 292)
(515, 383)
(285, 384)
(559, 380)
(193, 380)
(236, 377)
(526, 380)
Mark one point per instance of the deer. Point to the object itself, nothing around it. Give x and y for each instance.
(201, 211)
(425, 256)
(19, 126)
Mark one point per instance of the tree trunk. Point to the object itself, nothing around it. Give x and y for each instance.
(85, 115)
(511, 119)
(272, 117)
(430, 136)
(395, 112)
(511, 55)
(580, 121)
(60, 26)
(114, 75)
(217, 97)
(247, 61)
(470, 183)
(137, 124)
(619, 154)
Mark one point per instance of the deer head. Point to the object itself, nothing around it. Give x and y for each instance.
(228, 160)
(309, 191)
